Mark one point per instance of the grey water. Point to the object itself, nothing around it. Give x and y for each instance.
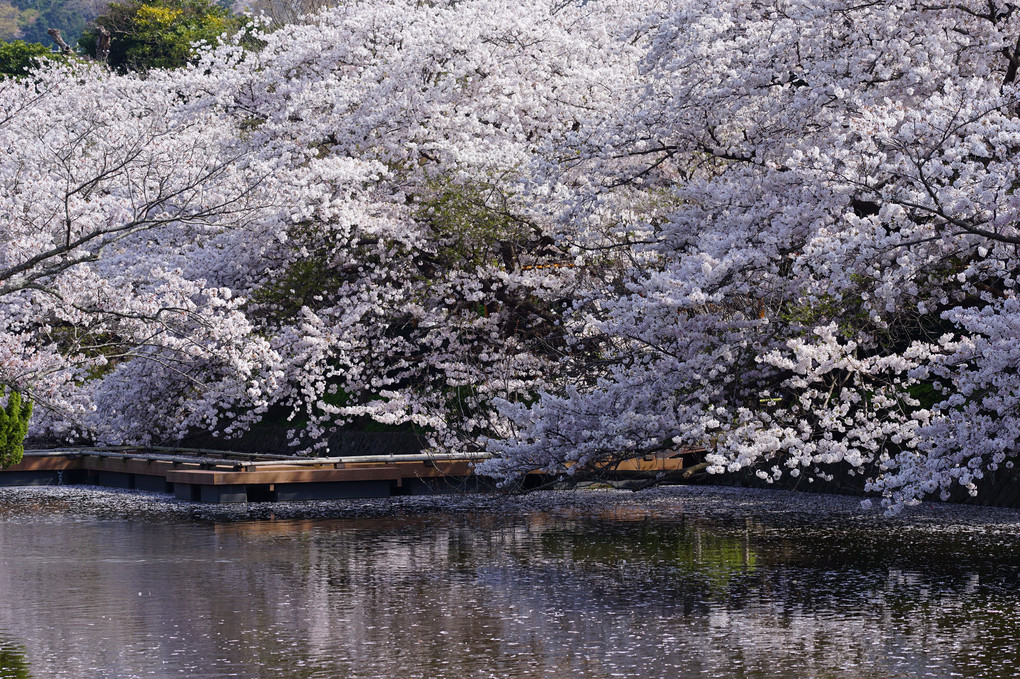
(680, 582)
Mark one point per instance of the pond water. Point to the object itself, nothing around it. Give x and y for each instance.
(679, 582)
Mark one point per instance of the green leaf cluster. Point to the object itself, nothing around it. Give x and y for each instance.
(13, 428)
(17, 58)
(470, 222)
(847, 312)
(159, 33)
(305, 282)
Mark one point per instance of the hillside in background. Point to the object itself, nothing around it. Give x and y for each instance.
(29, 20)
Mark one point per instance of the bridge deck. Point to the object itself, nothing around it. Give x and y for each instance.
(215, 476)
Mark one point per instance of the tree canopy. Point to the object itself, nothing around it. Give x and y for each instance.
(564, 233)
(17, 58)
(158, 33)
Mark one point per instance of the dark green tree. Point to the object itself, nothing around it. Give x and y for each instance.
(158, 33)
(13, 428)
(17, 58)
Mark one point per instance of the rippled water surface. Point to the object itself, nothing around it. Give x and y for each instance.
(670, 583)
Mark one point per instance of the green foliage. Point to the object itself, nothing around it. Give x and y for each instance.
(847, 311)
(17, 58)
(471, 222)
(303, 283)
(13, 428)
(159, 33)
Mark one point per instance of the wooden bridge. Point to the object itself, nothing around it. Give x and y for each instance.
(200, 475)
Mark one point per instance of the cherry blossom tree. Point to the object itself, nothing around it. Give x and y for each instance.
(344, 233)
(113, 191)
(840, 260)
(564, 233)
(443, 290)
